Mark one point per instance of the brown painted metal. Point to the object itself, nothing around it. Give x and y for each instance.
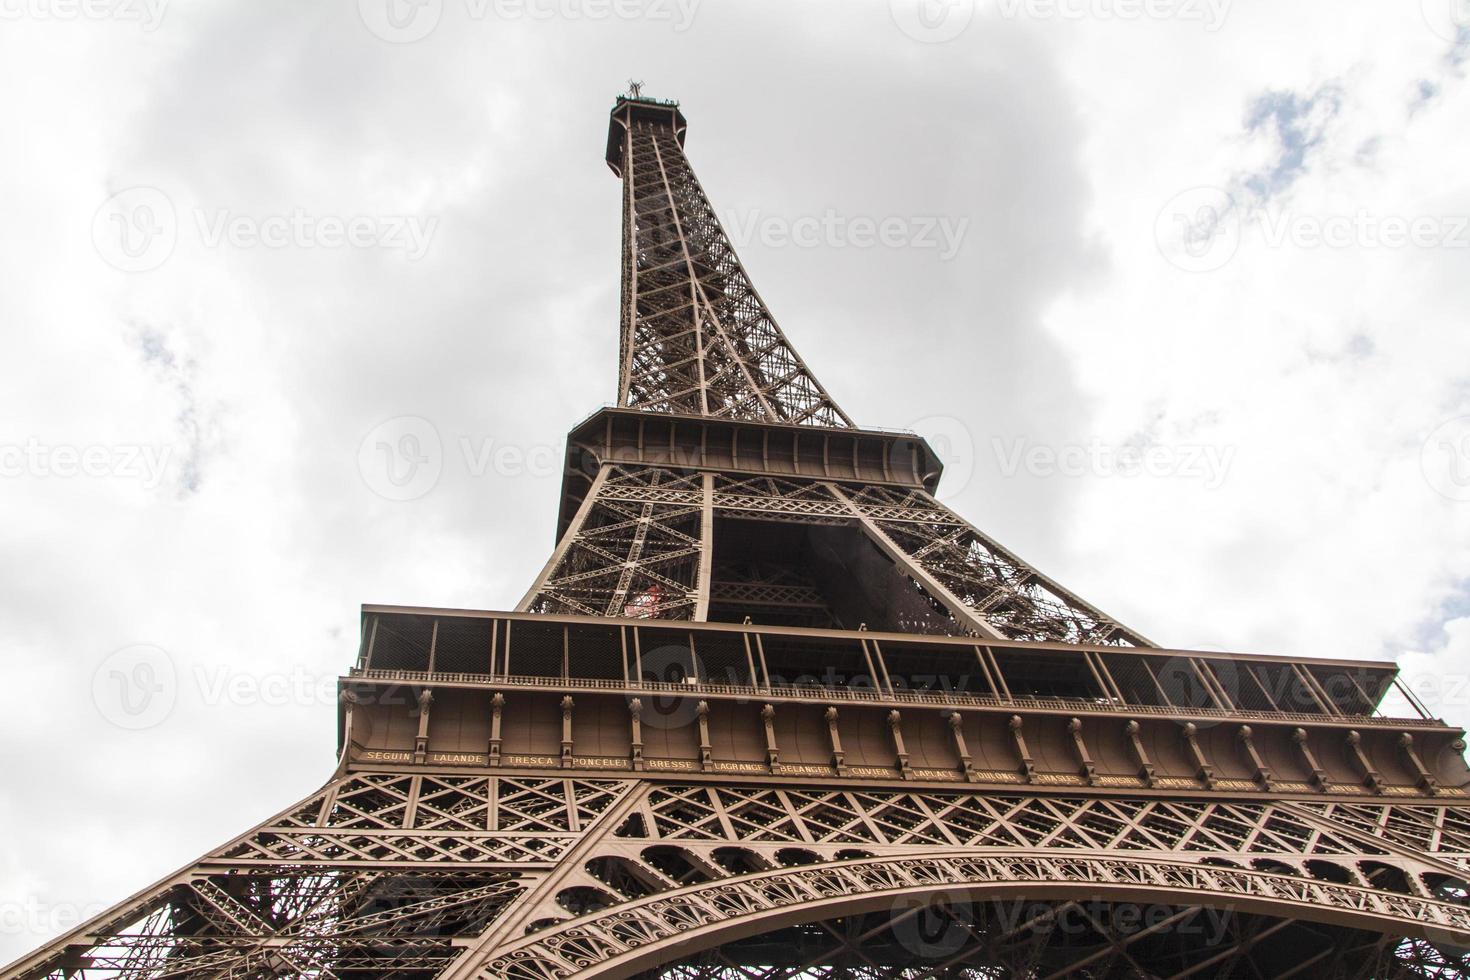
(772, 710)
(696, 337)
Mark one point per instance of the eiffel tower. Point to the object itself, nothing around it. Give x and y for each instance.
(772, 710)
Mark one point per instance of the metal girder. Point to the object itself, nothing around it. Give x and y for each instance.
(641, 543)
(696, 337)
(535, 877)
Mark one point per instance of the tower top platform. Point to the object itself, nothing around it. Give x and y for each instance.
(628, 110)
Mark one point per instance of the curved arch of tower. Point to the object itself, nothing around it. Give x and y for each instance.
(771, 710)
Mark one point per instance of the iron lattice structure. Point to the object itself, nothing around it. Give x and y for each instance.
(696, 337)
(772, 711)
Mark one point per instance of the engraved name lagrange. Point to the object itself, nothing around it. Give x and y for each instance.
(772, 710)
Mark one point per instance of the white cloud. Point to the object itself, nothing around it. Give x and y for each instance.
(1439, 677)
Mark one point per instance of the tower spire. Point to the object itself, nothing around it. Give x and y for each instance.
(753, 493)
(696, 337)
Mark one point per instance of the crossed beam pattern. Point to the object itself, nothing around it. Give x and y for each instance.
(300, 921)
(638, 547)
(696, 337)
(381, 875)
(634, 549)
(1005, 595)
(770, 594)
(686, 861)
(393, 874)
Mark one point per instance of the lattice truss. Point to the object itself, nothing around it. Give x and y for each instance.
(697, 339)
(1014, 599)
(770, 594)
(769, 498)
(375, 876)
(760, 815)
(636, 552)
(1213, 888)
(541, 878)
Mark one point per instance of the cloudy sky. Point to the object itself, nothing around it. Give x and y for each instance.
(1179, 287)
